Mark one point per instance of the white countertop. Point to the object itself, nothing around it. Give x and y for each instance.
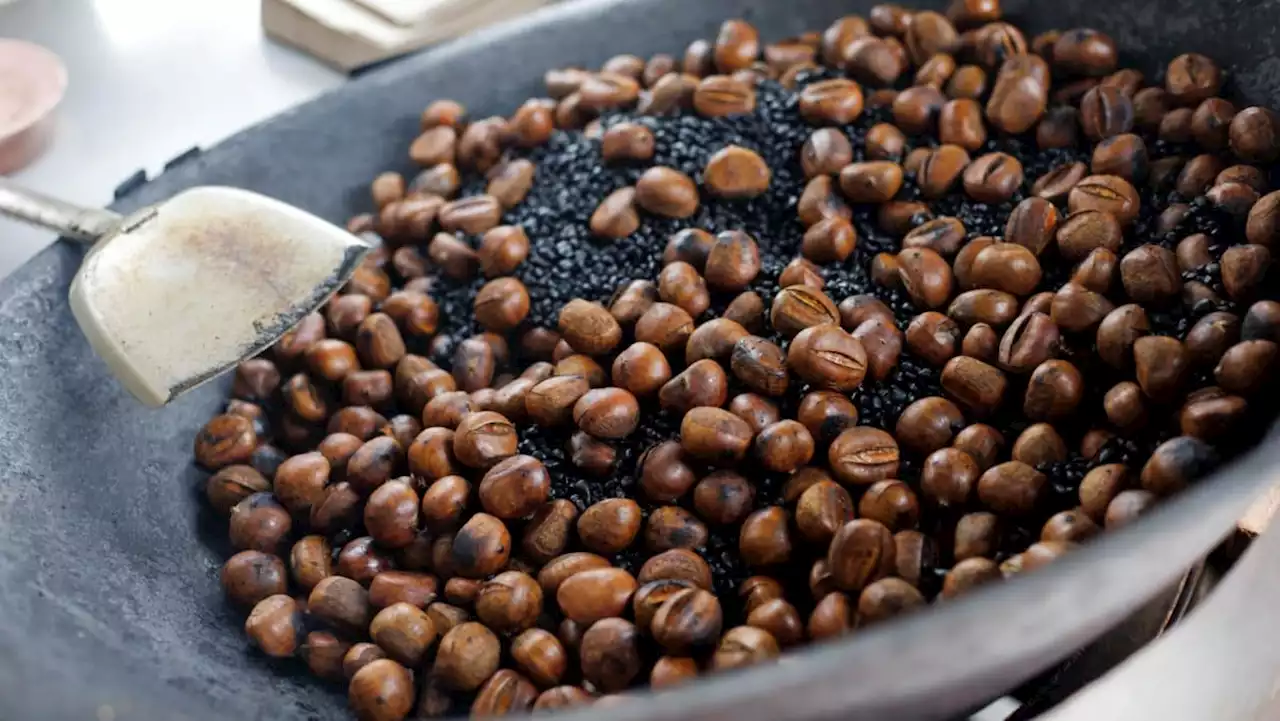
(148, 79)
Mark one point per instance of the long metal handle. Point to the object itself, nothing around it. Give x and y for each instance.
(72, 221)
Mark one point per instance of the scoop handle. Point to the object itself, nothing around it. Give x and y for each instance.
(72, 221)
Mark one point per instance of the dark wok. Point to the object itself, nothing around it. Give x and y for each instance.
(109, 601)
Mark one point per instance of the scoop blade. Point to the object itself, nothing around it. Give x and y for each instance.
(186, 289)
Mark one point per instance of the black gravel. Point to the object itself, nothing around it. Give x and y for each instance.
(567, 262)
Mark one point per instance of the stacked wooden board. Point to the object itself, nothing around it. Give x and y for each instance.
(350, 34)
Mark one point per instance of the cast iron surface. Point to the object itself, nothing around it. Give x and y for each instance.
(108, 563)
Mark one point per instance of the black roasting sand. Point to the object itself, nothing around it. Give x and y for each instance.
(565, 262)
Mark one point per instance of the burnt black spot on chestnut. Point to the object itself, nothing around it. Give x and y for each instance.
(1261, 322)
(1195, 457)
(832, 427)
(1176, 464)
(685, 536)
(298, 620)
(387, 454)
(467, 549)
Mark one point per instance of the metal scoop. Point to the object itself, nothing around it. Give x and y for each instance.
(180, 292)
